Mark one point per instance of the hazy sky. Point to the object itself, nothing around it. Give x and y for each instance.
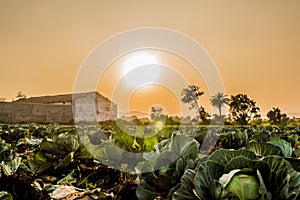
(255, 45)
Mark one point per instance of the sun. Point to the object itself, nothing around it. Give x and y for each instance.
(141, 68)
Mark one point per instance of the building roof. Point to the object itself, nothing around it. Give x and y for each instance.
(62, 98)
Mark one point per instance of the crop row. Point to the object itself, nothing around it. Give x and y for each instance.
(120, 161)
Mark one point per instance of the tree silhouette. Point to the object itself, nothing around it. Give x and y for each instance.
(156, 111)
(20, 95)
(204, 116)
(242, 109)
(219, 100)
(190, 95)
(2, 99)
(276, 117)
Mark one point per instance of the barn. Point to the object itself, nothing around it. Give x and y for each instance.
(64, 109)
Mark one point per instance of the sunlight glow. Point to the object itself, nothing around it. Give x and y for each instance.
(140, 68)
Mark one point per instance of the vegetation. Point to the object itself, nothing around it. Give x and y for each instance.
(219, 100)
(276, 117)
(50, 162)
(190, 95)
(242, 109)
(156, 111)
(20, 95)
(119, 160)
(256, 170)
(161, 158)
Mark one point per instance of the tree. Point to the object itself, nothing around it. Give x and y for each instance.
(204, 116)
(276, 117)
(284, 119)
(20, 95)
(242, 109)
(2, 99)
(191, 95)
(219, 100)
(156, 111)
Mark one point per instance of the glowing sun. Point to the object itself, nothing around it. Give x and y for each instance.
(140, 68)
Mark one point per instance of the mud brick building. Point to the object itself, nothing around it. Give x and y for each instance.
(64, 109)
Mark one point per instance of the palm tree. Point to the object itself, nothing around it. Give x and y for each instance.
(218, 100)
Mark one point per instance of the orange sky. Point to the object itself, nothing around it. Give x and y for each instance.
(255, 45)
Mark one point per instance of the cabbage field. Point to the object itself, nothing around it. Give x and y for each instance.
(119, 161)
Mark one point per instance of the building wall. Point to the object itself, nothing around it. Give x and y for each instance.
(94, 108)
(106, 110)
(87, 109)
(38, 113)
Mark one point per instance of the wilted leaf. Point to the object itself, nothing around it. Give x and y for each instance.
(62, 191)
(32, 141)
(12, 166)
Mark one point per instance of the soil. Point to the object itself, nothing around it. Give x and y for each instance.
(19, 186)
(111, 181)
